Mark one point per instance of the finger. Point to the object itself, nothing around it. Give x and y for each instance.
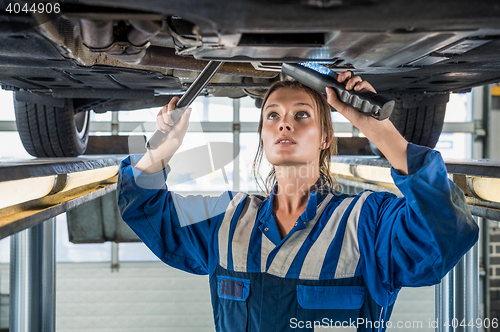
(160, 120)
(333, 100)
(364, 85)
(352, 82)
(170, 109)
(331, 96)
(167, 116)
(167, 110)
(182, 125)
(172, 103)
(168, 119)
(342, 77)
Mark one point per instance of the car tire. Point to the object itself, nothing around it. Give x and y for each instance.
(418, 117)
(51, 131)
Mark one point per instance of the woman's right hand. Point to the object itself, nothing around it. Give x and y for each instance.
(155, 160)
(164, 122)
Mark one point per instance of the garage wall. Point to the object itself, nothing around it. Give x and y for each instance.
(146, 296)
(414, 309)
(495, 271)
(494, 153)
(140, 297)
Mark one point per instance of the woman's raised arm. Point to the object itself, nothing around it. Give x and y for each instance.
(381, 133)
(156, 160)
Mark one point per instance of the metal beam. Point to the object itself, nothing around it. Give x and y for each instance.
(354, 171)
(484, 168)
(458, 127)
(33, 168)
(443, 307)
(485, 242)
(26, 215)
(75, 181)
(32, 279)
(247, 127)
(466, 292)
(236, 144)
(456, 297)
(8, 126)
(207, 127)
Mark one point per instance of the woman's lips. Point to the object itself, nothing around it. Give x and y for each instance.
(285, 140)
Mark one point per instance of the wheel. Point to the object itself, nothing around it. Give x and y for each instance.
(418, 117)
(51, 131)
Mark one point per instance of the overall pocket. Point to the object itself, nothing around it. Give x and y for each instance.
(233, 309)
(330, 297)
(336, 307)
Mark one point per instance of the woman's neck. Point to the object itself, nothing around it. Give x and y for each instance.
(294, 187)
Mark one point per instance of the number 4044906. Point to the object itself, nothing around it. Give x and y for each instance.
(41, 8)
(479, 323)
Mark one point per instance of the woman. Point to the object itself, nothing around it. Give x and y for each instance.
(306, 256)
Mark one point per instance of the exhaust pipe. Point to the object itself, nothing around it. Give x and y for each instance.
(97, 34)
(142, 31)
(98, 37)
(166, 58)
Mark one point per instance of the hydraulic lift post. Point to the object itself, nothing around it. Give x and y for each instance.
(32, 279)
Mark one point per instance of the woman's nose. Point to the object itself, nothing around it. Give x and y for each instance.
(285, 126)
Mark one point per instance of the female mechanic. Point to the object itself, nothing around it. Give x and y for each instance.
(305, 255)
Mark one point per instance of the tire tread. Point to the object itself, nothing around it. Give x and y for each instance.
(419, 118)
(48, 131)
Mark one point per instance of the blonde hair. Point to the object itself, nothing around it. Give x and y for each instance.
(327, 181)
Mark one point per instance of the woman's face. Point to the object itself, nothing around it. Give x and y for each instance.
(291, 132)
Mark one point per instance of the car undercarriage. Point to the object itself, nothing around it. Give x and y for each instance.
(107, 56)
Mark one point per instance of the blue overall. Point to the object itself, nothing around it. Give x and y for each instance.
(342, 264)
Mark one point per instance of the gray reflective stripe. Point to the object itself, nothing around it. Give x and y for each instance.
(243, 232)
(265, 249)
(349, 253)
(225, 226)
(285, 256)
(313, 263)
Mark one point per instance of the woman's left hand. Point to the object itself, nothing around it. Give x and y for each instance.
(356, 83)
(381, 133)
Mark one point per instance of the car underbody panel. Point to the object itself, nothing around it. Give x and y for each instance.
(129, 50)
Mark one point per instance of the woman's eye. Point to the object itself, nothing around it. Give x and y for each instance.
(302, 114)
(272, 116)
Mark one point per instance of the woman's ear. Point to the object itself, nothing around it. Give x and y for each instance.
(327, 140)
